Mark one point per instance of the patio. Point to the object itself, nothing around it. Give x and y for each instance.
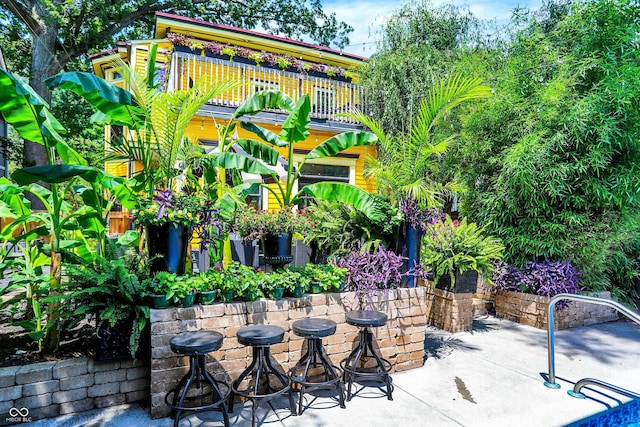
(490, 376)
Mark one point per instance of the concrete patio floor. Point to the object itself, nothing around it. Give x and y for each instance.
(491, 376)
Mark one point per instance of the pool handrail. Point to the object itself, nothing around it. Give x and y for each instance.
(551, 380)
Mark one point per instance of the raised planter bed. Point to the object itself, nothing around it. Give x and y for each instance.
(401, 340)
(531, 310)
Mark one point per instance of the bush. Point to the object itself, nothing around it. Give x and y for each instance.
(548, 278)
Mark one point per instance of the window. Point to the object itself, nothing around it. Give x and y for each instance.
(316, 172)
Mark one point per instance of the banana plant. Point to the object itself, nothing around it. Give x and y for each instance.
(30, 117)
(295, 129)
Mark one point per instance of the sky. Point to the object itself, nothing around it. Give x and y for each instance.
(365, 16)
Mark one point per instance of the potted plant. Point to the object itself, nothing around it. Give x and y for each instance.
(111, 291)
(210, 285)
(229, 51)
(183, 43)
(456, 251)
(274, 230)
(163, 288)
(212, 49)
(296, 281)
(274, 284)
(168, 218)
(186, 287)
(257, 57)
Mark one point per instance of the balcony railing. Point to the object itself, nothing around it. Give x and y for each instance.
(329, 97)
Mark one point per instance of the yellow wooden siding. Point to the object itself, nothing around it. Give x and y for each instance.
(116, 168)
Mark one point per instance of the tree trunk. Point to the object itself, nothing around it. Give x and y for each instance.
(44, 63)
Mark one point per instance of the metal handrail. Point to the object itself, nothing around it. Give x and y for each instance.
(551, 382)
(585, 381)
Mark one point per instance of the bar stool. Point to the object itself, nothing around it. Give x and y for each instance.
(260, 338)
(314, 329)
(358, 366)
(196, 345)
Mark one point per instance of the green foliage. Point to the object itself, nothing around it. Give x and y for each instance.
(420, 45)
(108, 289)
(342, 229)
(552, 159)
(451, 246)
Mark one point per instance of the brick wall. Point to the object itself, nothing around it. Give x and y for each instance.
(450, 311)
(401, 340)
(532, 310)
(50, 389)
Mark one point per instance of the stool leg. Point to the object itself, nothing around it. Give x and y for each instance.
(214, 389)
(329, 368)
(283, 379)
(180, 402)
(381, 366)
(237, 382)
(352, 362)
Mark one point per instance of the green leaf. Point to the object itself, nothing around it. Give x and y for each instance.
(265, 134)
(230, 200)
(108, 98)
(260, 101)
(369, 204)
(259, 150)
(26, 111)
(341, 142)
(54, 173)
(296, 126)
(240, 162)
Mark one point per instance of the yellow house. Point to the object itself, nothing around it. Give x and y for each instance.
(191, 49)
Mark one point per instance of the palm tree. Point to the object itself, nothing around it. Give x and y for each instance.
(408, 165)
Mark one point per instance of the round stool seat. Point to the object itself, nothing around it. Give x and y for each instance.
(366, 319)
(260, 335)
(313, 327)
(196, 342)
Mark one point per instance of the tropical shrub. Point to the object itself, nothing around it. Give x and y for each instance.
(548, 278)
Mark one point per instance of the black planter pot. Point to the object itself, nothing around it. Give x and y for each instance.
(411, 250)
(209, 54)
(466, 282)
(277, 250)
(187, 49)
(170, 241)
(242, 60)
(113, 341)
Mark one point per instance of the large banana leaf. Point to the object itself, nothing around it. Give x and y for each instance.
(264, 134)
(296, 126)
(260, 101)
(54, 173)
(228, 160)
(341, 142)
(369, 204)
(108, 98)
(27, 112)
(228, 202)
(259, 150)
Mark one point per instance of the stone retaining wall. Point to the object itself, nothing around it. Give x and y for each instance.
(450, 311)
(49, 389)
(532, 310)
(401, 340)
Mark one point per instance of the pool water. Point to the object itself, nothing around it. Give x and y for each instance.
(627, 415)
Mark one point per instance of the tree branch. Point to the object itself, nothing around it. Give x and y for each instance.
(25, 15)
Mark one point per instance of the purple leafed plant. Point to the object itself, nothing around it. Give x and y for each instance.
(418, 217)
(370, 272)
(548, 278)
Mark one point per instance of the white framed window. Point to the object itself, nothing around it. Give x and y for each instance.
(260, 85)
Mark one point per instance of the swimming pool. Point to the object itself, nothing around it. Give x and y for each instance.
(627, 415)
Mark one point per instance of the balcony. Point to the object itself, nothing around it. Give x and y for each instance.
(329, 97)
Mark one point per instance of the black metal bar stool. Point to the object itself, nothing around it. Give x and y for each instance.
(196, 345)
(324, 374)
(358, 366)
(261, 337)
